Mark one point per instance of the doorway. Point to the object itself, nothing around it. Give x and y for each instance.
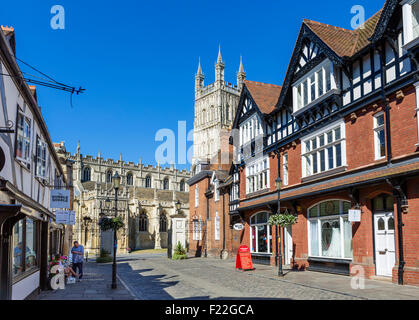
(288, 250)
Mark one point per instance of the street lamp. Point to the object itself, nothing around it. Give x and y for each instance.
(278, 183)
(178, 205)
(116, 180)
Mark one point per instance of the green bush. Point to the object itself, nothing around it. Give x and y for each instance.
(111, 223)
(180, 252)
(178, 256)
(104, 253)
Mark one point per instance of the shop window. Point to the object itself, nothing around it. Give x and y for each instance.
(260, 233)
(25, 244)
(329, 231)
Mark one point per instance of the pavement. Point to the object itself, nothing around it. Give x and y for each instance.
(152, 276)
(95, 285)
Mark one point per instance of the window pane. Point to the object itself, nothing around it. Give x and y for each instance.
(347, 234)
(313, 87)
(337, 133)
(381, 224)
(321, 140)
(338, 155)
(314, 143)
(305, 89)
(30, 243)
(262, 217)
(346, 206)
(262, 238)
(329, 208)
(320, 80)
(315, 163)
(254, 239)
(322, 161)
(390, 223)
(313, 212)
(314, 238)
(378, 204)
(389, 203)
(307, 146)
(382, 145)
(328, 80)
(330, 157)
(330, 137)
(331, 238)
(380, 120)
(17, 248)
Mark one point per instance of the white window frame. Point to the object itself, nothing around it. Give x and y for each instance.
(377, 129)
(408, 28)
(254, 171)
(319, 219)
(255, 250)
(285, 169)
(41, 164)
(316, 151)
(327, 67)
(26, 140)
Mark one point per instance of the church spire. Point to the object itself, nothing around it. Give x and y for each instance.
(219, 59)
(199, 72)
(241, 75)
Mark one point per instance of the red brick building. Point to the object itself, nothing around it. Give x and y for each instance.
(342, 132)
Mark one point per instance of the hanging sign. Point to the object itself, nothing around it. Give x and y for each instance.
(238, 226)
(62, 217)
(354, 215)
(65, 217)
(60, 199)
(244, 259)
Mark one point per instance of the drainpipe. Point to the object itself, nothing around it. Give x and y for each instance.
(224, 226)
(400, 196)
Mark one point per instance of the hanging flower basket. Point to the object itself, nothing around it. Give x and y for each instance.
(111, 223)
(282, 220)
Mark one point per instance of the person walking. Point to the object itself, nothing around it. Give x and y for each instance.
(78, 253)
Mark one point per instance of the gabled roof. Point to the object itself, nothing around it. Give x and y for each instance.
(265, 95)
(344, 42)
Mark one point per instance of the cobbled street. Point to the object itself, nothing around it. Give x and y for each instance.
(153, 276)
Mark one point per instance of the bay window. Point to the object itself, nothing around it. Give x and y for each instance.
(324, 150)
(257, 175)
(329, 231)
(410, 10)
(313, 86)
(260, 233)
(23, 139)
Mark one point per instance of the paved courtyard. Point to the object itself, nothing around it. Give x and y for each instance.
(153, 276)
(147, 276)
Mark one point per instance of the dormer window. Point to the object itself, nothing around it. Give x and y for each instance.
(313, 85)
(410, 10)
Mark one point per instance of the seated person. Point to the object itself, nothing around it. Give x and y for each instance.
(67, 270)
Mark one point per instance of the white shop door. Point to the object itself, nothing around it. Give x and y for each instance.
(288, 244)
(385, 253)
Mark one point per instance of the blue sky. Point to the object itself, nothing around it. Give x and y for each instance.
(137, 60)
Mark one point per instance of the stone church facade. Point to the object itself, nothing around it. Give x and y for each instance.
(147, 201)
(215, 107)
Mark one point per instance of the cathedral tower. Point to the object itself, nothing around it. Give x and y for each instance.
(215, 107)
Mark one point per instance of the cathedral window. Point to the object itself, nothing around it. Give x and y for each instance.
(143, 222)
(163, 223)
(166, 184)
(130, 179)
(182, 186)
(109, 176)
(86, 174)
(148, 182)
